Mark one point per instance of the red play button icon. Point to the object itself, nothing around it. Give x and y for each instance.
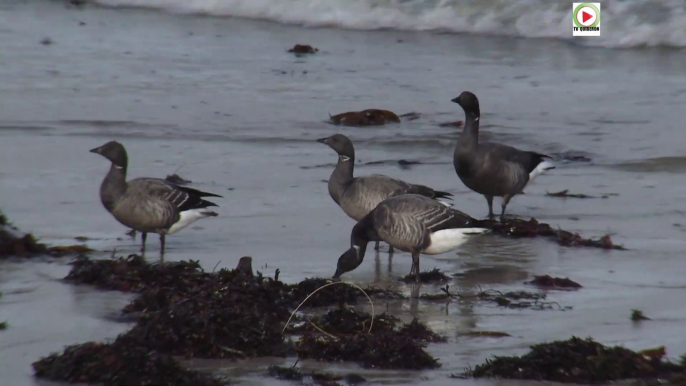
(586, 16)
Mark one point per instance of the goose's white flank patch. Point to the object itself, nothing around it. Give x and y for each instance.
(187, 217)
(540, 169)
(449, 239)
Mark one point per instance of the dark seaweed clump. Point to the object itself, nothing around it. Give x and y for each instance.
(426, 277)
(118, 363)
(576, 360)
(13, 243)
(533, 228)
(303, 49)
(386, 347)
(234, 314)
(548, 281)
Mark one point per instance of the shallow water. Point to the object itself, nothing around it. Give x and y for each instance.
(220, 102)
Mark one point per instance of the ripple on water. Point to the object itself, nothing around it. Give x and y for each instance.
(654, 165)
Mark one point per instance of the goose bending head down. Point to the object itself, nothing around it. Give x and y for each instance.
(492, 169)
(357, 196)
(149, 205)
(411, 223)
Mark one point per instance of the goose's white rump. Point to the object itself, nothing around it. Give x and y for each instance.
(449, 239)
(187, 217)
(540, 169)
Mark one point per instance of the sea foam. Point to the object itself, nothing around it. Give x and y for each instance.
(624, 23)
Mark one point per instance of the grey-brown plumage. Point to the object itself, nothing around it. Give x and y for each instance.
(148, 205)
(357, 196)
(492, 169)
(411, 223)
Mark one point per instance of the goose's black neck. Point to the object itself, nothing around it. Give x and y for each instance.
(342, 175)
(113, 186)
(359, 238)
(470, 132)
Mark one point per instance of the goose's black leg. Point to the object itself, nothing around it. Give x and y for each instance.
(376, 246)
(489, 200)
(390, 249)
(162, 248)
(144, 236)
(415, 266)
(506, 199)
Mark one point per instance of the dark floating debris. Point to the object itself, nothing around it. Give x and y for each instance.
(176, 179)
(426, 277)
(581, 361)
(574, 156)
(369, 117)
(451, 124)
(411, 116)
(324, 379)
(120, 363)
(488, 334)
(565, 194)
(637, 316)
(532, 228)
(403, 163)
(46, 41)
(303, 49)
(548, 281)
(68, 250)
(513, 299)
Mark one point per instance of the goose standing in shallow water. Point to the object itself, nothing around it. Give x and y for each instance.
(148, 205)
(492, 169)
(357, 196)
(411, 223)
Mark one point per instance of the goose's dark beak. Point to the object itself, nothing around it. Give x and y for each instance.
(456, 100)
(96, 150)
(322, 140)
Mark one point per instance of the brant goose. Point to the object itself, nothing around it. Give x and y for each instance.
(411, 223)
(492, 169)
(357, 196)
(148, 205)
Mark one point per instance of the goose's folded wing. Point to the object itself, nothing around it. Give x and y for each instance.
(399, 229)
(442, 217)
(182, 198)
(524, 160)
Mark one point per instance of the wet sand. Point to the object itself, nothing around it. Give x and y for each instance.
(220, 102)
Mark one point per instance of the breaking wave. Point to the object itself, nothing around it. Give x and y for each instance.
(624, 23)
